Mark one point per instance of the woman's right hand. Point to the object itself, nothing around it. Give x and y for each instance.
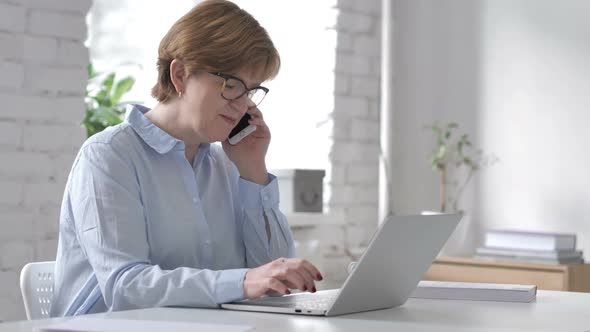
(280, 275)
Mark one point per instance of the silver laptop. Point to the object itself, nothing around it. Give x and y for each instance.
(399, 254)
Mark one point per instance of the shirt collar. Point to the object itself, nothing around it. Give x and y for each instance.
(151, 134)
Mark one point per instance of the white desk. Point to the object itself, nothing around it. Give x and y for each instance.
(552, 311)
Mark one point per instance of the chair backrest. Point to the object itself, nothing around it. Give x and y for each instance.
(36, 286)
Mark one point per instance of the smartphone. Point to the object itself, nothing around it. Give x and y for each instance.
(241, 130)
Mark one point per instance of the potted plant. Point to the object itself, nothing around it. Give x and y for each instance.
(457, 162)
(103, 100)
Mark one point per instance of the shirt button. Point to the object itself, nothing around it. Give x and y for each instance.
(195, 200)
(207, 242)
(265, 197)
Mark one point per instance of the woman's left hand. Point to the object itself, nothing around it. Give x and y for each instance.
(250, 153)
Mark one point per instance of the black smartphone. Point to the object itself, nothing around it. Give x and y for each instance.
(241, 130)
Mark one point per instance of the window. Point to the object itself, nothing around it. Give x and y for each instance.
(125, 38)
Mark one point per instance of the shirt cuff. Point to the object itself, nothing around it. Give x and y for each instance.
(254, 195)
(229, 286)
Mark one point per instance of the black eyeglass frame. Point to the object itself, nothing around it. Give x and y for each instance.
(228, 76)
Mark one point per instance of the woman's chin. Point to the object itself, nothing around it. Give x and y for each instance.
(219, 138)
(219, 135)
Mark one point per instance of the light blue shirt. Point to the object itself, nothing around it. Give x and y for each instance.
(141, 227)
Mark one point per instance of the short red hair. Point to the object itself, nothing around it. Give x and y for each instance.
(216, 36)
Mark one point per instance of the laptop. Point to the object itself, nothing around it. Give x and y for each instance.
(398, 255)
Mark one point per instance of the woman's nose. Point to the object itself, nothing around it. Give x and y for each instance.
(244, 103)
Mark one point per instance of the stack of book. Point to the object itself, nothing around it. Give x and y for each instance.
(530, 247)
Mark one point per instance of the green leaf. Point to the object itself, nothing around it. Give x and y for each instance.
(107, 85)
(90, 71)
(106, 116)
(436, 166)
(122, 87)
(442, 150)
(102, 100)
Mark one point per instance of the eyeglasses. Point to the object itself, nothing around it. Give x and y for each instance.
(233, 88)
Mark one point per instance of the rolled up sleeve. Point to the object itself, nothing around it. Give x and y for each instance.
(259, 201)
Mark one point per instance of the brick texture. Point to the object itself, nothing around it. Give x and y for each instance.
(353, 183)
(43, 65)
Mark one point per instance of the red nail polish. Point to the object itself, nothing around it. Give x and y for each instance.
(304, 288)
(313, 290)
(320, 277)
(288, 292)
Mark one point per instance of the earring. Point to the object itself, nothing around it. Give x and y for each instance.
(179, 94)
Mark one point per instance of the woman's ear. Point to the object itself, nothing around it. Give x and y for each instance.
(178, 75)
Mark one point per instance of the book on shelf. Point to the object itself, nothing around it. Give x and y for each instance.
(530, 240)
(532, 260)
(474, 291)
(542, 254)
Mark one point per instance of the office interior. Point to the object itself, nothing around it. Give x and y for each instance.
(362, 84)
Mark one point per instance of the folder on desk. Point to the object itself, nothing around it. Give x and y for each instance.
(475, 291)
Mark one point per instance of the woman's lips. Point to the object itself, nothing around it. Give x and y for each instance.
(228, 119)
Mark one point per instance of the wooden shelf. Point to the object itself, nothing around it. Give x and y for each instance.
(574, 277)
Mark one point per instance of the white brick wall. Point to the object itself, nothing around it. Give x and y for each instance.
(57, 24)
(353, 183)
(42, 50)
(42, 108)
(12, 75)
(12, 17)
(42, 61)
(11, 45)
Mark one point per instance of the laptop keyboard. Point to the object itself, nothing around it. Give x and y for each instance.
(315, 301)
